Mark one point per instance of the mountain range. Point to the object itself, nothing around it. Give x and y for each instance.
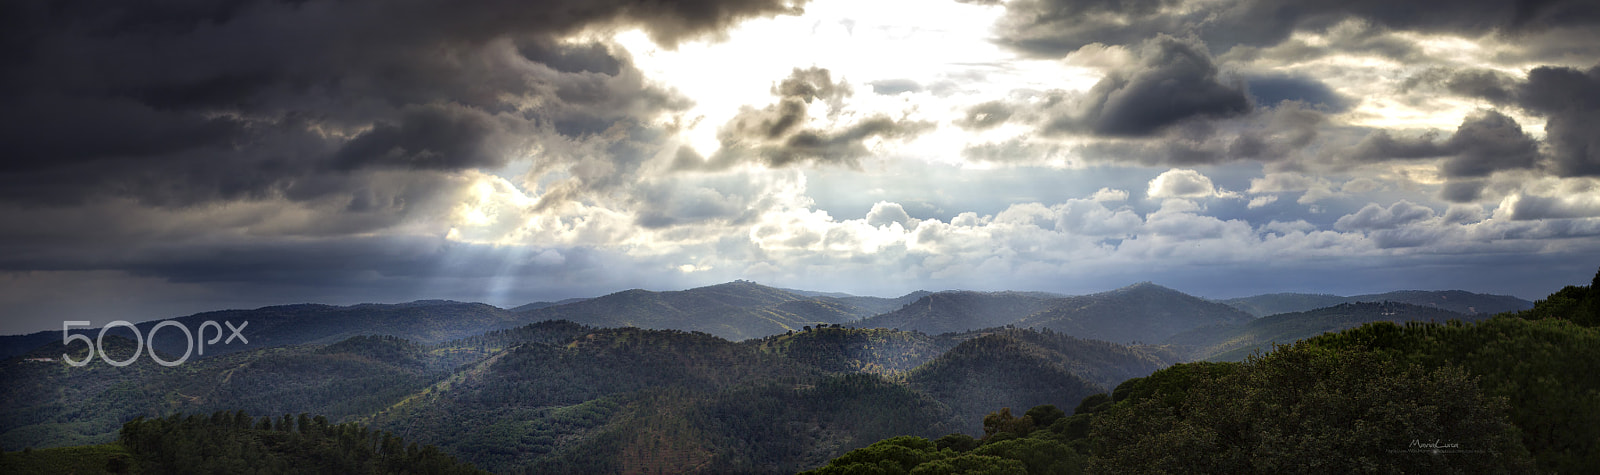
(741, 310)
(736, 377)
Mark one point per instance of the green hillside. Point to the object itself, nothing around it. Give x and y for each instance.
(1142, 312)
(852, 350)
(735, 311)
(1235, 342)
(959, 311)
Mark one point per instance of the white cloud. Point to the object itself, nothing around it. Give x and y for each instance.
(1524, 206)
(1283, 182)
(1106, 195)
(1184, 183)
(885, 213)
(1260, 201)
(1296, 226)
(1315, 188)
(1551, 198)
(1375, 217)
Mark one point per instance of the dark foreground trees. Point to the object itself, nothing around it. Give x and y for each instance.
(1310, 409)
(236, 443)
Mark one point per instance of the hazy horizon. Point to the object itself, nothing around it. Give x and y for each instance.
(508, 306)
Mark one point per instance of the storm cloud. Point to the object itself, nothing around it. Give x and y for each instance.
(1484, 143)
(1057, 27)
(1174, 80)
(285, 90)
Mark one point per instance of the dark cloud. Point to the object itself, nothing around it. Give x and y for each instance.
(429, 137)
(1488, 142)
(1380, 145)
(1570, 99)
(1173, 80)
(99, 94)
(1484, 143)
(843, 146)
(1267, 135)
(570, 58)
(813, 83)
(777, 135)
(1495, 86)
(986, 115)
(1275, 89)
(1462, 191)
(1057, 27)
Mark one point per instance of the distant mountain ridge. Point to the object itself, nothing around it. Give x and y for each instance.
(736, 310)
(1234, 342)
(741, 310)
(1458, 301)
(960, 310)
(1140, 312)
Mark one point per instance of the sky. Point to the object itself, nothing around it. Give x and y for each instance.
(170, 157)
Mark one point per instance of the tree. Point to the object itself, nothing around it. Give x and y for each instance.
(957, 442)
(1003, 423)
(971, 464)
(1305, 408)
(1045, 414)
(1039, 456)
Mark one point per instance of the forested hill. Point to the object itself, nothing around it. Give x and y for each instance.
(735, 310)
(1452, 300)
(50, 404)
(1143, 312)
(565, 398)
(1515, 393)
(1235, 342)
(621, 400)
(959, 311)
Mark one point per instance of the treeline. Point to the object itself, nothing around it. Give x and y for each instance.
(835, 349)
(238, 443)
(1042, 441)
(1513, 394)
